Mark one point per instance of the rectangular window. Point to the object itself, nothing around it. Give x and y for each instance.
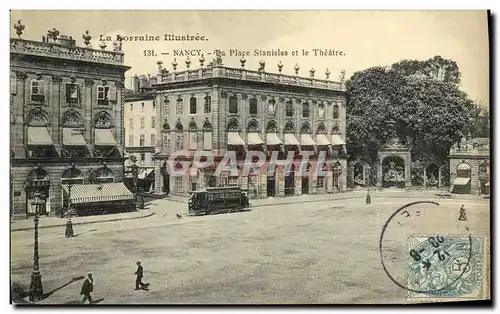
(141, 140)
(178, 108)
(37, 90)
(253, 106)
(305, 110)
(208, 104)
(131, 123)
(192, 105)
(102, 95)
(131, 141)
(193, 140)
(233, 104)
(289, 109)
(143, 156)
(153, 139)
(207, 140)
(321, 182)
(232, 181)
(153, 122)
(142, 122)
(72, 93)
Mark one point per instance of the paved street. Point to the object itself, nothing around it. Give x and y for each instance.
(322, 252)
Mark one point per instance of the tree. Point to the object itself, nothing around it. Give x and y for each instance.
(480, 124)
(423, 99)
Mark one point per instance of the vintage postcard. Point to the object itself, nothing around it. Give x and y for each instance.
(249, 157)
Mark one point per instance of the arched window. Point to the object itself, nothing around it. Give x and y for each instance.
(102, 120)
(233, 126)
(207, 135)
(179, 136)
(335, 128)
(37, 117)
(321, 128)
(335, 109)
(289, 109)
(71, 118)
(72, 176)
(208, 104)
(253, 105)
(192, 105)
(305, 110)
(193, 136)
(233, 104)
(104, 175)
(253, 126)
(272, 127)
(305, 128)
(289, 127)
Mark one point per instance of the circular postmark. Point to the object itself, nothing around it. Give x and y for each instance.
(424, 249)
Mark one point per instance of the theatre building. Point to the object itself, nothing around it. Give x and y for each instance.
(66, 131)
(219, 109)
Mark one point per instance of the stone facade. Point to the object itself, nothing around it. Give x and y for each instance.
(471, 159)
(56, 88)
(198, 109)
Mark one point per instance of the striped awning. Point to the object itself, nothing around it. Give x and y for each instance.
(461, 181)
(234, 138)
(306, 140)
(273, 139)
(97, 193)
(337, 140)
(39, 135)
(290, 139)
(73, 137)
(104, 137)
(254, 139)
(144, 173)
(322, 140)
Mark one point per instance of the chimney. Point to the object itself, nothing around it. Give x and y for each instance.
(135, 83)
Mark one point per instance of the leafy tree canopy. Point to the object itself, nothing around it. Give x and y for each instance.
(422, 97)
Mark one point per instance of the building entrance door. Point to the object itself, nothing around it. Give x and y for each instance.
(271, 186)
(305, 185)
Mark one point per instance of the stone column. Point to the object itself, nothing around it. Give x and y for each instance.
(263, 183)
(407, 160)
(298, 184)
(329, 182)
(56, 101)
(425, 178)
(280, 182)
(379, 173)
(313, 184)
(158, 177)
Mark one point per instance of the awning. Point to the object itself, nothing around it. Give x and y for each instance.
(144, 173)
(273, 139)
(234, 138)
(306, 140)
(461, 181)
(104, 137)
(39, 135)
(290, 139)
(96, 193)
(337, 140)
(73, 137)
(254, 139)
(322, 140)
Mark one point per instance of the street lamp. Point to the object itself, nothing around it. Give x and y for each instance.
(36, 288)
(368, 198)
(69, 224)
(135, 173)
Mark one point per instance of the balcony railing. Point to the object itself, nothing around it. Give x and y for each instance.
(56, 50)
(247, 75)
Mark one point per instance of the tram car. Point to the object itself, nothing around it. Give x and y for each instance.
(218, 200)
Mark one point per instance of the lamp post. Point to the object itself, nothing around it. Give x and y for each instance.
(36, 288)
(69, 224)
(135, 173)
(368, 198)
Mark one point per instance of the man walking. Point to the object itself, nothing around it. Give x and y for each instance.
(138, 281)
(87, 288)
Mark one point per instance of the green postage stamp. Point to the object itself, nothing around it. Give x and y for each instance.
(444, 268)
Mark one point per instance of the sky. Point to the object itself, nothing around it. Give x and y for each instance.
(366, 38)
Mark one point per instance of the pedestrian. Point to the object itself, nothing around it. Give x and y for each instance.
(138, 281)
(87, 288)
